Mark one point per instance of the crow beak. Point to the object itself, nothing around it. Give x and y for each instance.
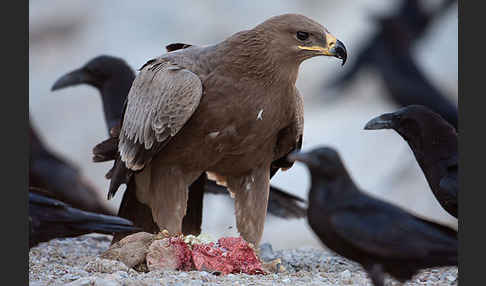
(384, 121)
(305, 158)
(75, 77)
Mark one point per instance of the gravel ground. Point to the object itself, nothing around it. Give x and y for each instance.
(74, 261)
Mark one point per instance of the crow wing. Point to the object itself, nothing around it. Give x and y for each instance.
(384, 230)
(449, 183)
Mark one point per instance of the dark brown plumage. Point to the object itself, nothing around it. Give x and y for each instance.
(382, 237)
(113, 77)
(229, 109)
(434, 143)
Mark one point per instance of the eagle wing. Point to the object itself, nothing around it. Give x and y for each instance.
(161, 100)
(290, 138)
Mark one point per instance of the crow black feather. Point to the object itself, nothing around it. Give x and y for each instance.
(382, 237)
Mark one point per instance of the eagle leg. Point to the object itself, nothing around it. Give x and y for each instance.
(131, 209)
(191, 223)
(251, 199)
(165, 190)
(141, 215)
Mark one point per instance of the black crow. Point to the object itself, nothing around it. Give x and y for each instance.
(390, 54)
(434, 143)
(50, 218)
(112, 77)
(61, 178)
(382, 237)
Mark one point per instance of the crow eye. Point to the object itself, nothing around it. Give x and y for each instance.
(90, 70)
(302, 35)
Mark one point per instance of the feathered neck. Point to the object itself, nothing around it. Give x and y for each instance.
(253, 54)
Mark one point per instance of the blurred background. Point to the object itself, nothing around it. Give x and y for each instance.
(64, 35)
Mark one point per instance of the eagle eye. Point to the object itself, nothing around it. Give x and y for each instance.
(302, 35)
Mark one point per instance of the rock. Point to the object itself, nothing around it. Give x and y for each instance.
(132, 272)
(98, 281)
(169, 254)
(266, 252)
(131, 250)
(161, 256)
(93, 281)
(118, 275)
(70, 277)
(451, 278)
(346, 274)
(105, 266)
(273, 266)
(345, 277)
(81, 282)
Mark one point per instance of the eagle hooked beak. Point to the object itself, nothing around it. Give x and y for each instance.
(334, 48)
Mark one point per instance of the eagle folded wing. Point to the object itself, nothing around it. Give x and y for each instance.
(293, 135)
(161, 100)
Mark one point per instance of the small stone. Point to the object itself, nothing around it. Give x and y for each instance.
(346, 274)
(131, 250)
(274, 266)
(98, 281)
(81, 282)
(70, 277)
(105, 266)
(266, 252)
(451, 278)
(165, 233)
(162, 256)
(121, 274)
(132, 272)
